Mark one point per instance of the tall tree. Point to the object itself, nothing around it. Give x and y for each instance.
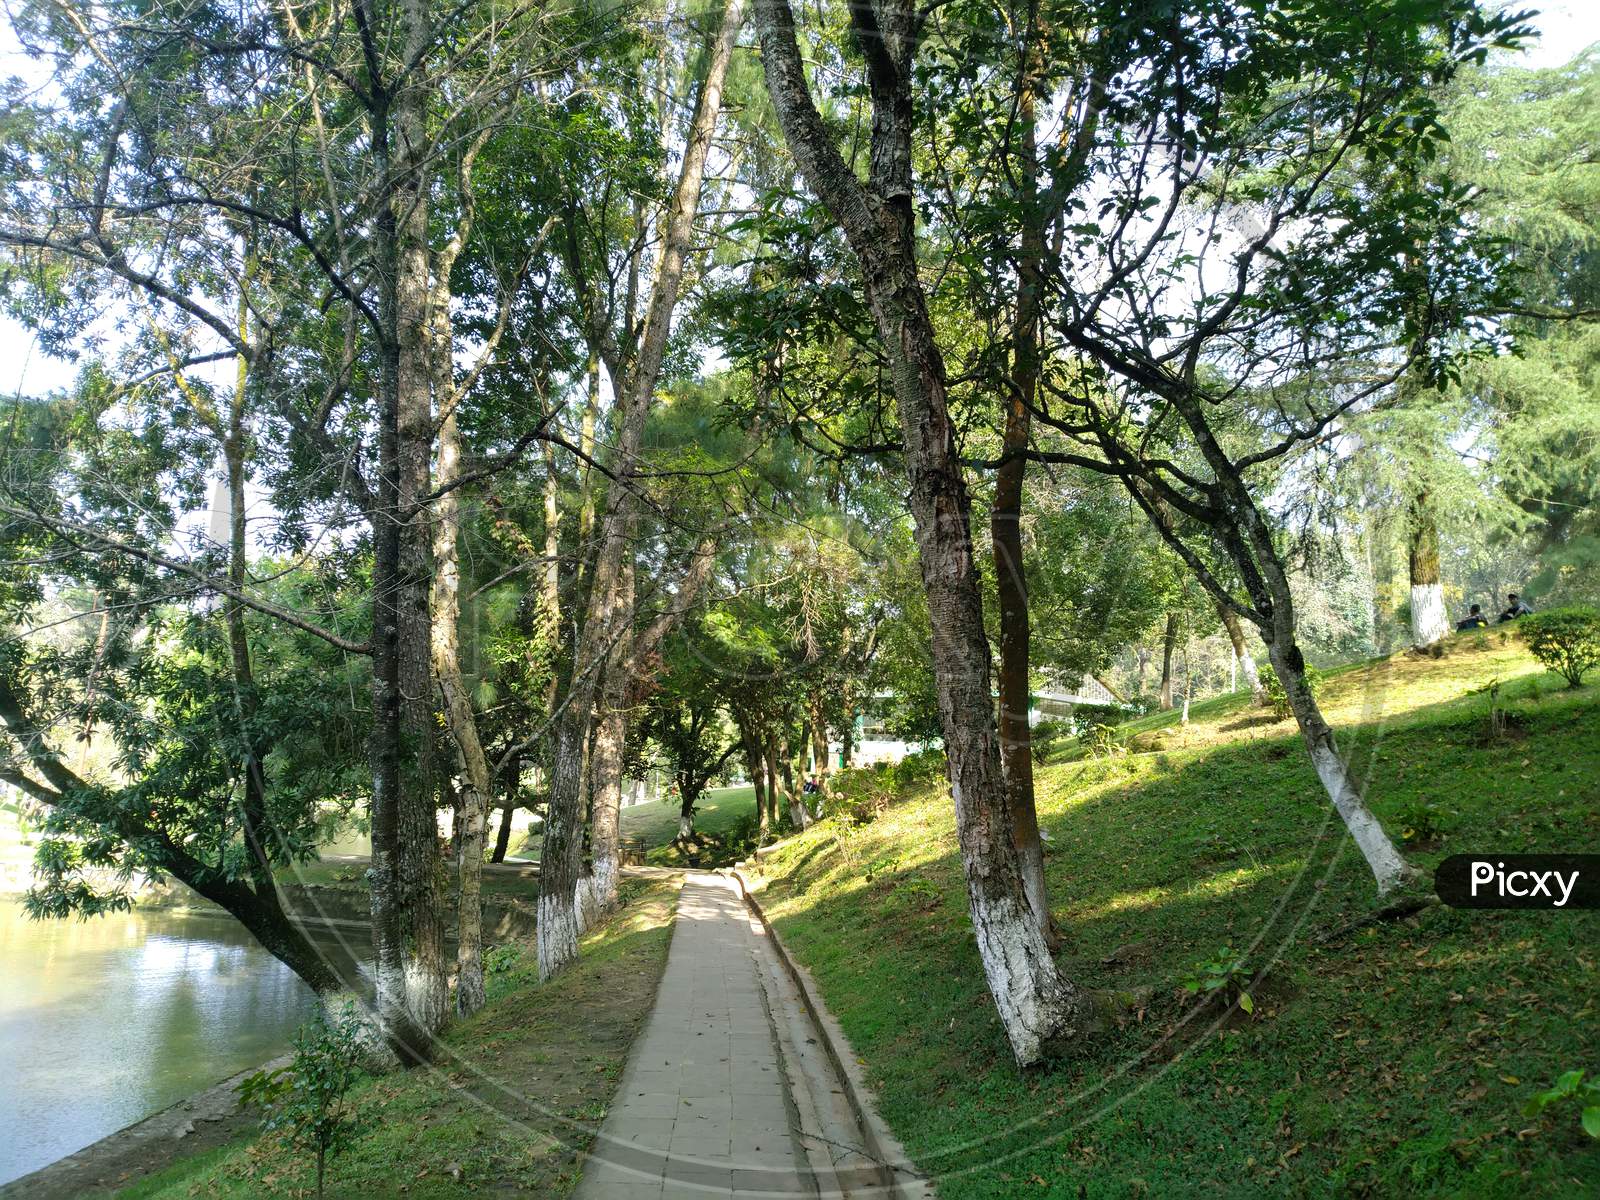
(1241, 353)
(1036, 1004)
(610, 612)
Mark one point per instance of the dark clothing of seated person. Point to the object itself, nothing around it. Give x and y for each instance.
(1473, 620)
(1515, 609)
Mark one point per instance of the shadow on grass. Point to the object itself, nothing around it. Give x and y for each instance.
(1392, 1064)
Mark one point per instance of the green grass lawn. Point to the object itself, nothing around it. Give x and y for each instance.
(657, 822)
(1393, 1062)
(507, 1105)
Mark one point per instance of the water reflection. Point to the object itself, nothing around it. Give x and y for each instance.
(103, 1022)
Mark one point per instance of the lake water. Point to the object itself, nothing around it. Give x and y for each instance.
(105, 1021)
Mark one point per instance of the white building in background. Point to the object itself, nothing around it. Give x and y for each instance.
(873, 744)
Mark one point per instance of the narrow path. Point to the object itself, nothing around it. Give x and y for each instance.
(706, 1108)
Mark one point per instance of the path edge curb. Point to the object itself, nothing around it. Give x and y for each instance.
(905, 1181)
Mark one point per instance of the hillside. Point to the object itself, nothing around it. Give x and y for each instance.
(1393, 1060)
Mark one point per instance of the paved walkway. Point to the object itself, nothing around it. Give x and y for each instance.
(703, 1110)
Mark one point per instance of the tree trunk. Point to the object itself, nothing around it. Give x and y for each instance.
(756, 763)
(502, 836)
(561, 857)
(1241, 652)
(586, 434)
(799, 815)
(1429, 621)
(1168, 645)
(418, 862)
(1388, 867)
(767, 796)
(605, 767)
(389, 901)
(1005, 529)
(819, 740)
(1247, 539)
(1188, 679)
(1036, 1005)
(686, 803)
(549, 622)
(476, 779)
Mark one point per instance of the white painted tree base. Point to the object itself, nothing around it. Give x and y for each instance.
(557, 934)
(1252, 677)
(1035, 1005)
(1389, 869)
(427, 996)
(1429, 621)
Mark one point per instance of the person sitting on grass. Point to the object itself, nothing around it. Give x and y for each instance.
(1516, 608)
(1473, 620)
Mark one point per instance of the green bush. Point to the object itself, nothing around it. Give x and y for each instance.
(1278, 698)
(497, 960)
(306, 1101)
(1424, 821)
(1566, 640)
(1093, 716)
(920, 767)
(1101, 741)
(1045, 738)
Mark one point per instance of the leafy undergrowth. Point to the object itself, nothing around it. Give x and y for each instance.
(1394, 1061)
(509, 1104)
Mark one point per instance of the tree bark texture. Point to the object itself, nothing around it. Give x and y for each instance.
(389, 902)
(1037, 1006)
(605, 765)
(418, 861)
(476, 779)
(1005, 526)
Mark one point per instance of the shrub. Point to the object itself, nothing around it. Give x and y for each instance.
(1045, 737)
(882, 866)
(1101, 741)
(306, 1099)
(1278, 698)
(1091, 716)
(497, 960)
(1424, 822)
(920, 767)
(1566, 640)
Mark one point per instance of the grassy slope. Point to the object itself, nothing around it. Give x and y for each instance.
(1394, 1062)
(719, 808)
(501, 1103)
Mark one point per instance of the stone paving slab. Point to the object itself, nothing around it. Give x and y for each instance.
(702, 1112)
